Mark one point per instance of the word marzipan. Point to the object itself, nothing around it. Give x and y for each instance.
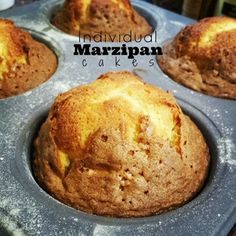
(87, 50)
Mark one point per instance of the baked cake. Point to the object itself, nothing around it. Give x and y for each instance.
(111, 17)
(203, 57)
(120, 147)
(24, 62)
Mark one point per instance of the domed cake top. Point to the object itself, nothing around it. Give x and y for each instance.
(109, 17)
(120, 147)
(12, 51)
(25, 62)
(206, 36)
(131, 107)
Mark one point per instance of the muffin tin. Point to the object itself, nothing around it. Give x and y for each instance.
(26, 209)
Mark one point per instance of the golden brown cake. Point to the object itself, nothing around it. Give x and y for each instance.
(24, 62)
(203, 57)
(111, 17)
(120, 147)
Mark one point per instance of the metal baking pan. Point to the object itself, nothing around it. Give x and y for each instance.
(25, 209)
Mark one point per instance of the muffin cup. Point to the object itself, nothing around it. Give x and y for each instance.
(53, 46)
(153, 17)
(211, 212)
(160, 70)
